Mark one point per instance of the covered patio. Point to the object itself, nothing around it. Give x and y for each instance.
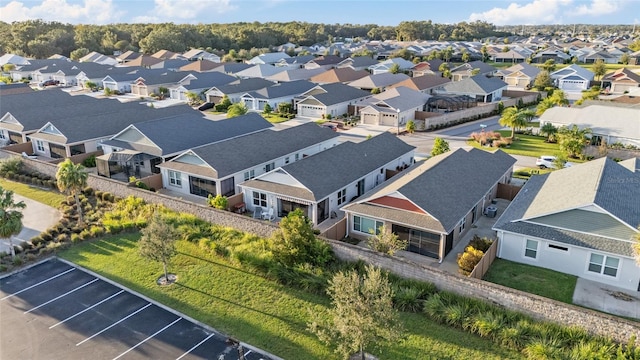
(121, 165)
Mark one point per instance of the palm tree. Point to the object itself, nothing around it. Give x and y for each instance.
(549, 131)
(573, 139)
(514, 118)
(72, 179)
(10, 217)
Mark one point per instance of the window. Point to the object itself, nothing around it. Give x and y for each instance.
(259, 199)
(248, 175)
(463, 222)
(39, 145)
(297, 157)
(551, 246)
(603, 264)
(366, 225)
(531, 249)
(269, 167)
(175, 178)
(286, 160)
(342, 196)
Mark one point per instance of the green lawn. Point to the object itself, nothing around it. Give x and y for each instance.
(532, 279)
(527, 145)
(47, 197)
(256, 310)
(274, 119)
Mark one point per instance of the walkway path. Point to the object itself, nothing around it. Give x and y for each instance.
(37, 218)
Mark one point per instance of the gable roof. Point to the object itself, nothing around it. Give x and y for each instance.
(181, 132)
(401, 98)
(602, 183)
(295, 74)
(524, 68)
(15, 88)
(257, 148)
(268, 58)
(328, 171)
(339, 75)
(290, 88)
(618, 121)
(244, 85)
(623, 75)
(260, 71)
(336, 93)
(378, 80)
(439, 189)
(423, 82)
(478, 84)
(466, 67)
(573, 70)
(358, 62)
(200, 66)
(208, 80)
(231, 67)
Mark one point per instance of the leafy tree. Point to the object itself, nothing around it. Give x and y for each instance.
(591, 94)
(385, 241)
(599, 69)
(542, 80)
(72, 178)
(10, 217)
(440, 146)
(513, 118)
(465, 56)
(79, 54)
(549, 65)
(267, 109)
(236, 110)
(549, 131)
(157, 242)
(194, 98)
(91, 85)
(224, 104)
(285, 108)
(485, 53)
(295, 243)
(624, 59)
(394, 69)
(447, 53)
(411, 126)
(572, 140)
(560, 161)
(362, 314)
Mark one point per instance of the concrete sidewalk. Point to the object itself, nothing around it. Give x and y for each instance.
(37, 218)
(607, 298)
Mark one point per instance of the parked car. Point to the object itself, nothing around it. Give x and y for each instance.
(49, 83)
(206, 106)
(547, 161)
(330, 126)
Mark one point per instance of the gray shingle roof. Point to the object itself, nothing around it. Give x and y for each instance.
(601, 182)
(291, 88)
(244, 85)
(478, 84)
(330, 170)
(337, 93)
(258, 148)
(104, 124)
(446, 187)
(378, 80)
(181, 132)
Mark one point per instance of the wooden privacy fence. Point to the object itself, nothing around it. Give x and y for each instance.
(507, 192)
(337, 232)
(482, 267)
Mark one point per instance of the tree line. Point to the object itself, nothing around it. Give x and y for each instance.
(41, 39)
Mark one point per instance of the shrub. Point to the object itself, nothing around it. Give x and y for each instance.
(407, 299)
(89, 162)
(75, 238)
(218, 202)
(17, 261)
(543, 349)
(13, 165)
(96, 231)
(481, 244)
(37, 240)
(62, 238)
(141, 185)
(469, 259)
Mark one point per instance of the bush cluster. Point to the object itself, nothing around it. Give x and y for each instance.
(13, 169)
(472, 254)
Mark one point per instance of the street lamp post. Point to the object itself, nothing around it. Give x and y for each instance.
(398, 122)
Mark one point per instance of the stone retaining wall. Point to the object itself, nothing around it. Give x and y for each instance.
(535, 306)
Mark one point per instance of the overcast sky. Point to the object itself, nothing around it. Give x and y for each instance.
(387, 12)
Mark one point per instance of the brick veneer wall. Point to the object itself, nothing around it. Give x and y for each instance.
(536, 306)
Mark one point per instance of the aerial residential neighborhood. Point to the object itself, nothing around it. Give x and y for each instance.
(295, 189)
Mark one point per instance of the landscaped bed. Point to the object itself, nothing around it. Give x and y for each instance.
(256, 310)
(526, 145)
(532, 279)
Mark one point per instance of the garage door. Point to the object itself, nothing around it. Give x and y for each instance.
(571, 85)
(371, 119)
(310, 111)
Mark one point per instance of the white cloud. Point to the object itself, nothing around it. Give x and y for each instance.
(599, 7)
(181, 10)
(87, 11)
(535, 12)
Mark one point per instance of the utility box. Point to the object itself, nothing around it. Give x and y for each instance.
(491, 211)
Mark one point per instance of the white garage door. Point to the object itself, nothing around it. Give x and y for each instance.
(572, 85)
(310, 111)
(371, 119)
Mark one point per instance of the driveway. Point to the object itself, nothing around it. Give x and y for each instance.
(37, 218)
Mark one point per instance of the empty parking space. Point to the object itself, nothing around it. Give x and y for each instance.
(54, 310)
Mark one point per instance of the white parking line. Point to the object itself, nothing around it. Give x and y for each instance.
(112, 325)
(61, 296)
(195, 346)
(151, 336)
(87, 309)
(40, 283)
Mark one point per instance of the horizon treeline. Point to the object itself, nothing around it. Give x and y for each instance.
(41, 39)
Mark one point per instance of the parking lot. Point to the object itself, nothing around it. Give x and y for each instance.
(56, 311)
